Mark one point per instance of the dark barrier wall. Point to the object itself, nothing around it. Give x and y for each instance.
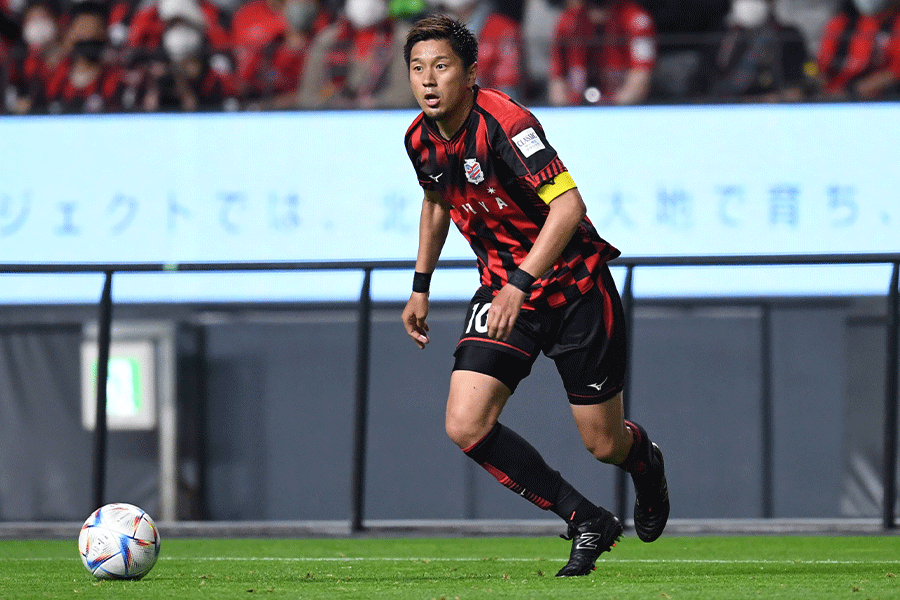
(280, 396)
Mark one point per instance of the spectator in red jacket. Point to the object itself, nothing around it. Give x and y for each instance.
(357, 61)
(603, 52)
(270, 40)
(859, 54)
(148, 23)
(499, 42)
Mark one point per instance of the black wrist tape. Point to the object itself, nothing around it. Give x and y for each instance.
(421, 282)
(522, 280)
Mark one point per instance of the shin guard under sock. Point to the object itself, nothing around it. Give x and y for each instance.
(519, 466)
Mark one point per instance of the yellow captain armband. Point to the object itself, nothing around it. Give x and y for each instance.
(556, 186)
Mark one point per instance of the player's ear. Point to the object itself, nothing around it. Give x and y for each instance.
(472, 74)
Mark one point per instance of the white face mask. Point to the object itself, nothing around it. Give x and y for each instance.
(365, 13)
(182, 41)
(38, 32)
(871, 7)
(749, 13)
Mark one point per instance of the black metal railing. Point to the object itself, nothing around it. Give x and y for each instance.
(631, 264)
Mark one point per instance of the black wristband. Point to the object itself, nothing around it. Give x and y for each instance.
(421, 282)
(522, 280)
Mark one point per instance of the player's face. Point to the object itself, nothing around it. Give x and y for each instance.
(441, 84)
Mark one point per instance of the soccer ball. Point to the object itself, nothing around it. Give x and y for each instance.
(119, 541)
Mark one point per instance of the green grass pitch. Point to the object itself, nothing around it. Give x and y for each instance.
(689, 568)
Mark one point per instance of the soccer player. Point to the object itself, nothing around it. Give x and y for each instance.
(484, 162)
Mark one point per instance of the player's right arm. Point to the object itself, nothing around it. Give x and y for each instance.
(434, 223)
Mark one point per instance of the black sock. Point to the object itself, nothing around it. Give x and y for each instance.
(638, 460)
(519, 466)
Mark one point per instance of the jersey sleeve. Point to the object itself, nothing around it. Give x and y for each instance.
(521, 144)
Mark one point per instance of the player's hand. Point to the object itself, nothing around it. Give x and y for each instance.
(504, 311)
(414, 318)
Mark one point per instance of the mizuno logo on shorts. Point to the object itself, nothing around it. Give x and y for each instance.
(597, 386)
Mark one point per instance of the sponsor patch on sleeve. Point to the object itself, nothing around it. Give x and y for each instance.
(528, 142)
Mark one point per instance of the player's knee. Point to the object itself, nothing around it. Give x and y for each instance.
(458, 432)
(606, 450)
(464, 433)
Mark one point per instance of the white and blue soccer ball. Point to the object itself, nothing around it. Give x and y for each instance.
(119, 541)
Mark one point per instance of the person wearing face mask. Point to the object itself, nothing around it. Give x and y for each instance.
(42, 53)
(499, 42)
(356, 61)
(40, 24)
(759, 59)
(859, 55)
(190, 79)
(144, 35)
(270, 40)
(85, 82)
(603, 52)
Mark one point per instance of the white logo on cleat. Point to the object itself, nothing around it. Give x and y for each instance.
(588, 541)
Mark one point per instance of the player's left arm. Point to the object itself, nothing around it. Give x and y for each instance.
(566, 212)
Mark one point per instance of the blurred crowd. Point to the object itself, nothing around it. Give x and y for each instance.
(76, 56)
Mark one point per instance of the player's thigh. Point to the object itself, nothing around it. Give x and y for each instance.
(473, 406)
(508, 361)
(588, 347)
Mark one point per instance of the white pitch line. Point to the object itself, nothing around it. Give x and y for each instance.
(611, 560)
(699, 561)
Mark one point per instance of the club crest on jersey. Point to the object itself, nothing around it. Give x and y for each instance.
(474, 174)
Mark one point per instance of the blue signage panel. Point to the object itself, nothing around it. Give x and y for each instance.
(658, 181)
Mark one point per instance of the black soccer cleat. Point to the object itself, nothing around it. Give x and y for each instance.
(651, 504)
(589, 540)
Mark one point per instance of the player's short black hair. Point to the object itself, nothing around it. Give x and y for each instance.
(442, 27)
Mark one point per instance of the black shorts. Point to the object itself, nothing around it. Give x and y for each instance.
(585, 338)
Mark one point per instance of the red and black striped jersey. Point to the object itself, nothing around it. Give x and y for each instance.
(490, 173)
